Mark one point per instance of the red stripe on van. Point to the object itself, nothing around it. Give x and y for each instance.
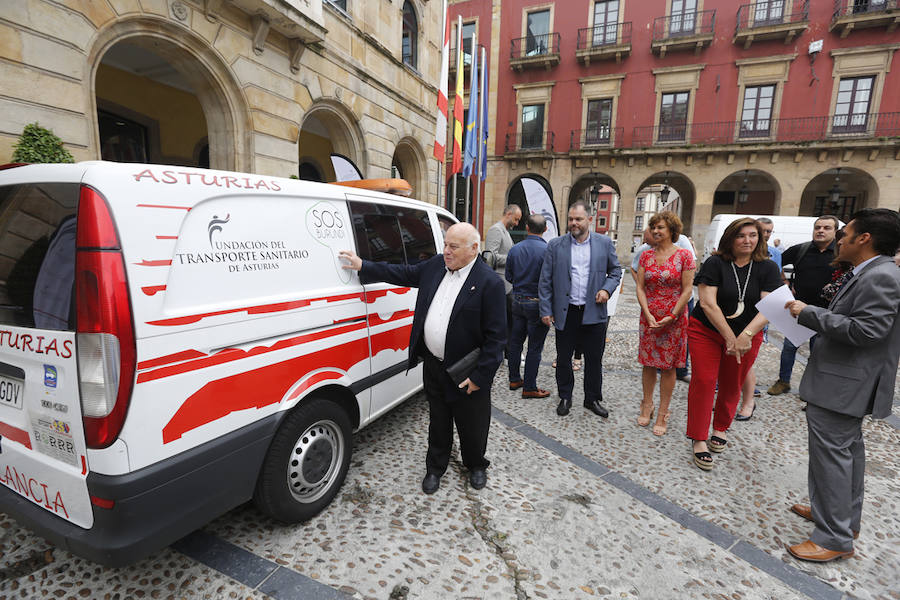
(167, 237)
(152, 289)
(169, 358)
(232, 354)
(392, 339)
(163, 206)
(401, 314)
(257, 388)
(15, 434)
(155, 263)
(254, 310)
(372, 296)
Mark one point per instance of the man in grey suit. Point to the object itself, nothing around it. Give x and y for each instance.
(499, 242)
(578, 277)
(851, 373)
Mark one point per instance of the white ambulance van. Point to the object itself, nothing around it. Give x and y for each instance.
(177, 341)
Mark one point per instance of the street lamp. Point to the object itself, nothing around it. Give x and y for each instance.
(743, 194)
(664, 192)
(593, 195)
(834, 194)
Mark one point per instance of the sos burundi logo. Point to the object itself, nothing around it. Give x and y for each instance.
(329, 226)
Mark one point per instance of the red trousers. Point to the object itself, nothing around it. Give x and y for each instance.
(710, 366)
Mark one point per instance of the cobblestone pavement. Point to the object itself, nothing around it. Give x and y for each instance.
(575, 507)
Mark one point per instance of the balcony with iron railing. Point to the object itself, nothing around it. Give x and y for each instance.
(793, 130)
(534, 51)
(860, 14)
(538, 142)
(603, 42)
(597, 138)
(771, 19)
(683, 31)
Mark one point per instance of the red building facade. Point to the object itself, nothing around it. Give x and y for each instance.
(771, 107)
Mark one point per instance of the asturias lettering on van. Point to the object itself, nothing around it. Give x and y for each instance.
(37, 344)
(194, 178)
(34, 490)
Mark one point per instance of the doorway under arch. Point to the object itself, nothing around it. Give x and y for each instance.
(329, 128)
(748, 191)
(602, 193)
(163, 95)
(533, 195)
(409, 163)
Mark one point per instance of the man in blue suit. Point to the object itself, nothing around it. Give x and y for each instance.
(461, 307)
(579, 275)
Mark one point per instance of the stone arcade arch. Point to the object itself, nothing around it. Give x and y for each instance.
(680, 193)
(409, 159)
(188, 66)
(839, 191)
(747, 191)
(608, 196)
(330, 128)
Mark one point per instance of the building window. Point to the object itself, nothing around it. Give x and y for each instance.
(639, 205)
(601, 221)
(533, 126)
(604, 204)
(757, 112)
(606, 22)
(341, 4)
(639, 223)
(468, 30)
(121, 139)
(863, 6)
(843, 210)
(599, 118)
(673, 116)
(537, 34)
(683, 17)
(851, 111)
(769, 12)
(410, 34)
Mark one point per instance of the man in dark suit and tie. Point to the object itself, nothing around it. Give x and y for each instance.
(579, 275)
(460, 307)
(851, 373)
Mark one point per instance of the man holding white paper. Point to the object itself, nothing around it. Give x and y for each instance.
(851, 373)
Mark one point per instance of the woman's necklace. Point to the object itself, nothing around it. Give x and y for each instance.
(741, 292)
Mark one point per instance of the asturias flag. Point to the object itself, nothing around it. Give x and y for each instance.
(456, 164)
(440, 128)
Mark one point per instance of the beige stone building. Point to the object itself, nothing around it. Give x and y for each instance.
(267, 86)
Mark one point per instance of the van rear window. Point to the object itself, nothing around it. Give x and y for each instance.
(37, 255)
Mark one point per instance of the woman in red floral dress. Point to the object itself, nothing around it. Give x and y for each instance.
(665, 279)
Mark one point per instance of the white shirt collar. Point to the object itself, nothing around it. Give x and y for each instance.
(862, 265)
(463, 272)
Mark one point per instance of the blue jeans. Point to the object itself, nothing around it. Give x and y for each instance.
(526, 321)
(788, 356)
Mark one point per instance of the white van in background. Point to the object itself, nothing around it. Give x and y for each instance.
(790, 230)
(175, 341)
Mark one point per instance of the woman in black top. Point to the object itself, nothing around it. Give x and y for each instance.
(725, 332)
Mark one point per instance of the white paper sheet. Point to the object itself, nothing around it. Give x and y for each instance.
(772, 307)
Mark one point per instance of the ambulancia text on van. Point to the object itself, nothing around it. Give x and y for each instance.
(176, 341)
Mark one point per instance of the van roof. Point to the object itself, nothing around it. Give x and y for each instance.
(99, 172)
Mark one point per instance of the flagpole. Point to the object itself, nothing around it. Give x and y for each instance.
(460, 72)
(479, 156)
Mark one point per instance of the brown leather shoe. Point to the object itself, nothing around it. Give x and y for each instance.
(806, 512)
(514, 385)
(813, 552)
(538, 393)
(803, 510)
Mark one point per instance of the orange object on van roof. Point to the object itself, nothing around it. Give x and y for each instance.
(387, 185)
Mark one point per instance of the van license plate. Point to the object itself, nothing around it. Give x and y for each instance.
(11, 391)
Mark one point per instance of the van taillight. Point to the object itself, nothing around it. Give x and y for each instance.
(105, 334)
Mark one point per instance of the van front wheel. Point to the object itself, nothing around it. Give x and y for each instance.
(307, 462)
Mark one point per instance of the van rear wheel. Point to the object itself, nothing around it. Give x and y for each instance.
(306, 463)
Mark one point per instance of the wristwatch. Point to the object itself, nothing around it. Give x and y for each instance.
(748, 332)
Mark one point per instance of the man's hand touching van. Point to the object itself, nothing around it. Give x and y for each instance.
(349, 260)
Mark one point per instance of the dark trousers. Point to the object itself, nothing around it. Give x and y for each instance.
(526, 321)
(788, 356)
(591, 339)
(837, 465)
(686, 369)
(447, 405)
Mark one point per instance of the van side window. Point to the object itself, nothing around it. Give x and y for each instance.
(37, 255)
(393, 234)
(445, 224)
